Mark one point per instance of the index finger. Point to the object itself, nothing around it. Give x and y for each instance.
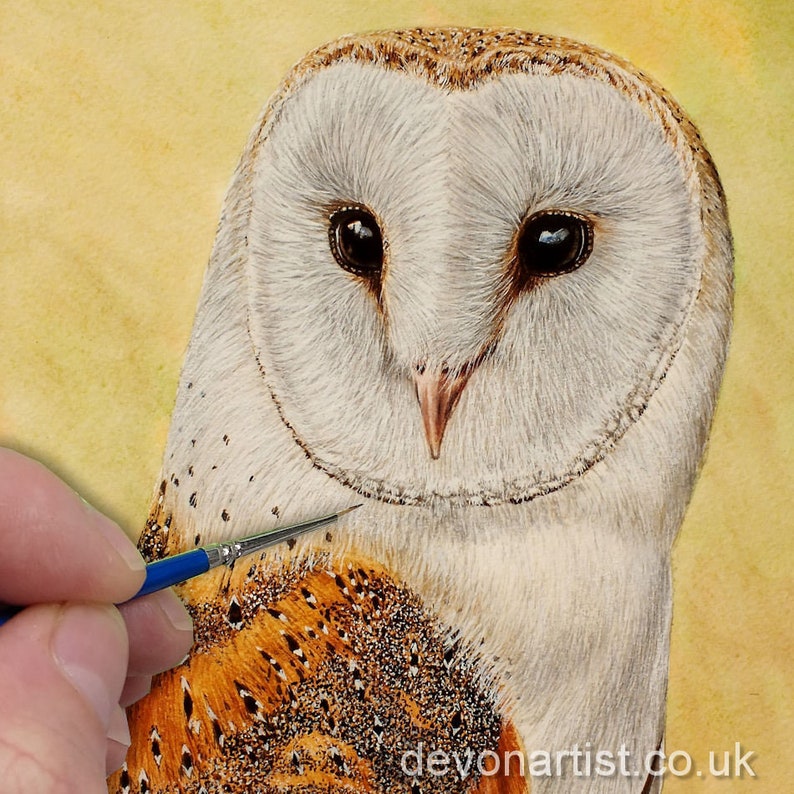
(55, 547)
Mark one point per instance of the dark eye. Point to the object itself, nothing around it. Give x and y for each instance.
(553, 242)
(356, 241)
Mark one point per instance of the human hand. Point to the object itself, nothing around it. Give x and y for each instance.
(71, 663)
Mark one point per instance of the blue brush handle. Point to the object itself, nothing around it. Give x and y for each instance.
(159, 575)
(181, 567)
(8, 612)
(172, 570)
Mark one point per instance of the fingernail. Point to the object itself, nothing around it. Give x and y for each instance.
(118, 741)
(116, 537)
(135, 688)
(74, 654)
(119, 729)
(175, 610)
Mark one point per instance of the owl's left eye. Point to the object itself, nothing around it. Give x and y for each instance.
(356, 241)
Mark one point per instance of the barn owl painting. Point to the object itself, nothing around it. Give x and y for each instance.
(480, 282)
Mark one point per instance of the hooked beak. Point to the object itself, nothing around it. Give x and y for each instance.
(438, 392)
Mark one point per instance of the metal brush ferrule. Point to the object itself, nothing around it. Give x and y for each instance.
(223, 553)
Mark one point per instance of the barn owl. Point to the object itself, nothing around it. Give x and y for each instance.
(480, 281)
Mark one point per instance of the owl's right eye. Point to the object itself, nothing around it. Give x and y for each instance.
(553, 242)
(356, 241)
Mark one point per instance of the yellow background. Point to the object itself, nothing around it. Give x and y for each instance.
(121, 125)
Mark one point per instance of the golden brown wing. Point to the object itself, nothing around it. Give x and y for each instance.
(313, 677)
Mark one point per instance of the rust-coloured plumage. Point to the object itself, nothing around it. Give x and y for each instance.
(312, 676)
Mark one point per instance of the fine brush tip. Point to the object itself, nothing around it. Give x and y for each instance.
(349, 509)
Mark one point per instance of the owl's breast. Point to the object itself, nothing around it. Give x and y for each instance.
(318, 674)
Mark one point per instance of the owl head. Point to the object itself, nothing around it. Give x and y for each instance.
(462, 264)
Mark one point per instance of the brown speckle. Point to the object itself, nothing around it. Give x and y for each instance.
(252, 706)
(187, 704)
(187, 761)
(235, 614)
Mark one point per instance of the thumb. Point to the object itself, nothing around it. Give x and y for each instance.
(62, 668)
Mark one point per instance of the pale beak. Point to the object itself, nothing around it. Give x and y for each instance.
(438, 392)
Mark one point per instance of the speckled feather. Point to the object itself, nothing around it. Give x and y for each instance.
(310, 676)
